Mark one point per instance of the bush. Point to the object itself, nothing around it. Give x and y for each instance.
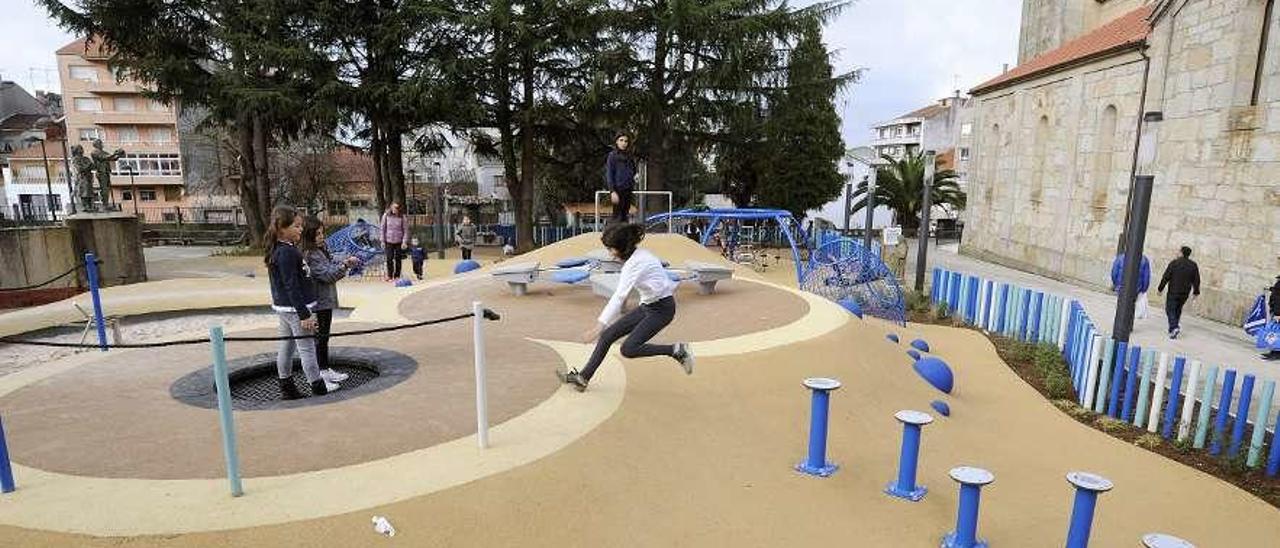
(1108, 424)
(1057, 384)
(1148, 441)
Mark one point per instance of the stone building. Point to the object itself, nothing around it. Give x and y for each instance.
(1055, 141)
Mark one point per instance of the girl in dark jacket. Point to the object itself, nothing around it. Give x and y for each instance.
(292, 298)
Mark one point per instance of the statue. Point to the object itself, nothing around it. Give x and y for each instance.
(102, 163)
(83, 177)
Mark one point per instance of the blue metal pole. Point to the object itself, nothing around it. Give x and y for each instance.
(816, 463)
(224, 409)
(91, 271)
(1175, 386)
(1117, 379)
(1087, 488)
(1131, 383)
(1242, 415)
(971, 481)
(1273, 458)
(908, 459)
(1224, 409)
(6, 467)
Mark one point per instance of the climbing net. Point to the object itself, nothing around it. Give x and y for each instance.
(843, 269)
(360, 240)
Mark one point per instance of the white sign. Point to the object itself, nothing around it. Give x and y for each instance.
(890, 235)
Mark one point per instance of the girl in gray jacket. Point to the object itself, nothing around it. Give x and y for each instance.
(325, 273)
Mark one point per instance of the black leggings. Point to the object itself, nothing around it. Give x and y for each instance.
(622, 209)
(638, 326)
(324, 320)
(395, 258)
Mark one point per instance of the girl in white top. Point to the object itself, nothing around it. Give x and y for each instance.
(643, 272)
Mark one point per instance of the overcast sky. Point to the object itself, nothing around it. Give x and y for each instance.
(914, 52)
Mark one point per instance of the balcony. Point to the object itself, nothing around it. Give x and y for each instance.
(139, 117)
(906, 139)
(111, 87)
(139, 146)
(122, 181)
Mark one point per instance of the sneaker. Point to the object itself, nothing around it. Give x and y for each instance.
(684, 355)
(1176, 331)
(321, 387)
(574, 378)
(333, 376)
(287, 390)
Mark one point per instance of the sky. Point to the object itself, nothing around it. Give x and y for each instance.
(912, 51)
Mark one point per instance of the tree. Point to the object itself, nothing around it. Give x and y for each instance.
(309, 174)
(803, 131)
(900, 186)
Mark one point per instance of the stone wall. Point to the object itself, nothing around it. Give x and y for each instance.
(32, 256)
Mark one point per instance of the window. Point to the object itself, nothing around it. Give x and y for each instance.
(160, 135)
(1104, 156)
(127, 134)
(147, 194)
(336, 208)
(88, 104)
(359, 204)
(143, 165)
(90, 133)
(964, 154)
(966, 129)
(126, 104)
(157, 106)
(126, 195)
(84, 73)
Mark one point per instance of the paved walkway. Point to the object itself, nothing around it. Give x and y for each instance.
(1209, 341)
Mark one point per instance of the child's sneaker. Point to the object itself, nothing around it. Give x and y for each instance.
(333, 376)
(574, 378)
(684, 355)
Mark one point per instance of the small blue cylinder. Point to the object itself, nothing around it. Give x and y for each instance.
(1081, 518)
(6, 467)
(1242, 415)
(1224, 409)
(91, 272)
(1175, 387)
(1117, 379)
(1131, 383)
(967, 517)
(909, 457)
(818, 429)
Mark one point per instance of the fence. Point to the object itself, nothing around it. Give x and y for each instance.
(188, 215)
(1167, 395)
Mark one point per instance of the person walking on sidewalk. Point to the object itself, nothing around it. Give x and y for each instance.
(620, 178)
(1144, 282)
(1182, 277)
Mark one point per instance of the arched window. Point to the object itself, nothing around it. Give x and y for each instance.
(1104, 156)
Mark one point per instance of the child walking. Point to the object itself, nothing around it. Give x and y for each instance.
(419, 257)
(641, 271)
(292, 297)
(325, 273)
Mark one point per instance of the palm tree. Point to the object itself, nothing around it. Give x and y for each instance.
(899, 186)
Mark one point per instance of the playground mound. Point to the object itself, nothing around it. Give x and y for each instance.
(709, 457)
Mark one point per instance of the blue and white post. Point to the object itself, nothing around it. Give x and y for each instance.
(91, 272)
(816, 464)
(6, 467)
(905, 487)
(1087, 488)
(223, 385)
(971, 482)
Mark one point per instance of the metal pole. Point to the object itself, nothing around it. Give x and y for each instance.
(48, 182)
(848, 202)
(870, 204)
(922, 234)
(223, 386)
(1136, 234)
(482, 405)
(134, 186)
(91, 268)
(66, 173)
(6, 467)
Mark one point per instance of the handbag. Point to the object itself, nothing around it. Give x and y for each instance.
(1269, 336)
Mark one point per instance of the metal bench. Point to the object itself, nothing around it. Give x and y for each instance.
(518, 276)
(707, 274)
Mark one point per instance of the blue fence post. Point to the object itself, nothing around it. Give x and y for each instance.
(971, 481)
(91, 272)
(6, 466)
(1273, 458)
(1087, 488)
(816, 463)
(225, 420)
(1175, 387)
(1224, 410)
(1242, 415)
(905, 487)
(933, 285)
(1117, 378)
(986, 306)
(1025, 325)
(1131, 383)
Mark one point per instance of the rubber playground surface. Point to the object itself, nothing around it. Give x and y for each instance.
(646, 457)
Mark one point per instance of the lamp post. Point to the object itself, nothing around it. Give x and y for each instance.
(133, 186)
(1136, 231)
(413, 188)
(922, 233)
(48, 180)
(869, 202)
(440, 212)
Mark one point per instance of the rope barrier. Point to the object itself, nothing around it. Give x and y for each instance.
(78, 266)
(488, 315)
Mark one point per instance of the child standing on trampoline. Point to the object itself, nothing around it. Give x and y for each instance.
(641, 271)
(292, 298)
(325, 272)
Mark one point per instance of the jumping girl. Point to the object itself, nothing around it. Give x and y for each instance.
(641, 271)
(292, 298)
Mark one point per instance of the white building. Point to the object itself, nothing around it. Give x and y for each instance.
(457, 160)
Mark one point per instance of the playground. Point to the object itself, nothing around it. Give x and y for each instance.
(117, 447)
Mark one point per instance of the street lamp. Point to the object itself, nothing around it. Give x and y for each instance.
(440, 213)
(1136, 231)
(48, 179)
(413, 188)
(133, 189)
(869, 202)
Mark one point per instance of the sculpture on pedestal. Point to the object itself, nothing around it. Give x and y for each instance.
(102, 163)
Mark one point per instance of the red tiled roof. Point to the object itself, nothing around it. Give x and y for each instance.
(926, 112)
(352, 166)
(94, 50)
(1126, 31)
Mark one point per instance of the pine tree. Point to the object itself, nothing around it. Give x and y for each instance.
(803, 131)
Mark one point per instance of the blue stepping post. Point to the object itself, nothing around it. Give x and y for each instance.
(816, 464)
(905, 487)
(6, 467)
(1087, 488)
(1224, 410)
(971, 481)
(1242, 415)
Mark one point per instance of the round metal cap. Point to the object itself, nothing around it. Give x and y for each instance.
(1161, 540)
(970, 475)
(821, 383)
(913, 417)
(1092, 482)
